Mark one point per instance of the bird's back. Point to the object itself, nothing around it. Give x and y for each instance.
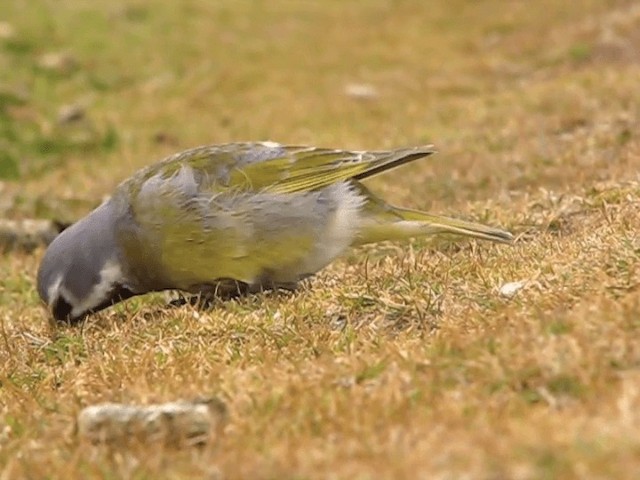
(192, 222)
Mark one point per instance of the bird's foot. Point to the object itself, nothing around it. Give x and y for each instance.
(206, 296)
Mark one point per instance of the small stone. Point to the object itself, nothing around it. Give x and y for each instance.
(70, 113)
(58, 62)
(26, 234)
(508, 290)
(361, 91)
(179, 424)
(7, 32)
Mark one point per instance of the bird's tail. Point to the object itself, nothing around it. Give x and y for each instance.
(384, 222)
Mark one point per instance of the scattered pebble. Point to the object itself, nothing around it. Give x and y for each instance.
(181, 423)
(71, 113)
(5, 434)
(337, 322)
(57, 62)
(361, 91)
(7, 31)
(27, 234)
(508, 290)
(165, 138)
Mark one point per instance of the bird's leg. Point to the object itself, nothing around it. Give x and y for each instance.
(266, 282)
(273, 287)
(205, 295)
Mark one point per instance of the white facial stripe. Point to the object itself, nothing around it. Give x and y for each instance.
(54, 291)
(110, 274)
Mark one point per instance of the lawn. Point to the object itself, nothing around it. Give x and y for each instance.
(402, 360)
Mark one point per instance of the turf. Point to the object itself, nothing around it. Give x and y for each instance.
(401, 360)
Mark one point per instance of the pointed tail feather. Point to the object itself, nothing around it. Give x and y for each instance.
(387, 160)
(399, 223)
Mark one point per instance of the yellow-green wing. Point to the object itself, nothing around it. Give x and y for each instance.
(271, 167)
(303, 169)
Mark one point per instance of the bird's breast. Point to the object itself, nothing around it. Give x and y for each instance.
(338, 230)
(249, 237)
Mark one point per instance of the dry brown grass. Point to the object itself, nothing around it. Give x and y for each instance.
(401, 361)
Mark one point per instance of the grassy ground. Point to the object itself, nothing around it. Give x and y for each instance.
(401, 361)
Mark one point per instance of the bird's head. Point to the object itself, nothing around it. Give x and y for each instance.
(81, 272)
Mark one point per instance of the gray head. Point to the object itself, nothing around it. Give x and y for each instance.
(81, 272)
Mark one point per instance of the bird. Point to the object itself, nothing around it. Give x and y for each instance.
(248, 216)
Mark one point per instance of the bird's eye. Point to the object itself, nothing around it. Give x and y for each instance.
(61, 309)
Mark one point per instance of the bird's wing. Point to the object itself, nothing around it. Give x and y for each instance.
(303, 169)
(275, 168)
